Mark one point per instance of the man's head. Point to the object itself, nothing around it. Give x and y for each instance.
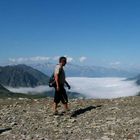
(63, 60)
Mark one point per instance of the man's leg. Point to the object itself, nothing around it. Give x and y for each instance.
(66, 107)
(56, 101)
(55, 107)
(64, 100)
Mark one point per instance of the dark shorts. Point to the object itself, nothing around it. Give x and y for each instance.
(61, 95)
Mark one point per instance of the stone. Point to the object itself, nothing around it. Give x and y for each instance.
(33, 120)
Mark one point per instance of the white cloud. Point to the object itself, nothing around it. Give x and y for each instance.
(69, 59)
(82, 59)
(39, 58)
(43, 59)
(29, 59)
(103, 87)
(12, 60)
(92, 87)
(116, 63)
(21, 59)
(56, 58)
(38, 89)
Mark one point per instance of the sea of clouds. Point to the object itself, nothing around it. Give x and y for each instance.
(92, 87)
(104, 87)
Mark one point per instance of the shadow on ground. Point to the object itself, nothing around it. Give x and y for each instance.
(83, 110)
(4, 129)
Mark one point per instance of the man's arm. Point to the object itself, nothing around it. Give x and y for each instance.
(67, 84)
(57, 81)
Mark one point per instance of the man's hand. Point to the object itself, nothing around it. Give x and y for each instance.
(57, 88)
(68, 86)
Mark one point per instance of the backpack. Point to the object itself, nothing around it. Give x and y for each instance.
(52, 82)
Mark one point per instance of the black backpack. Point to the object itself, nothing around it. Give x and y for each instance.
(52, 82)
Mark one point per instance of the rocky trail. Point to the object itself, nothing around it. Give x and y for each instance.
(88, 119)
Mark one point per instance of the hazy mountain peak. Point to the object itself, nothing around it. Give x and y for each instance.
(74, 70)
(22, 76)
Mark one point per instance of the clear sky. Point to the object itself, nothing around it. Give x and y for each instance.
(96, 32)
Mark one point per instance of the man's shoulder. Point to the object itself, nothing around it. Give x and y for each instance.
(57, 69)
(57, 66)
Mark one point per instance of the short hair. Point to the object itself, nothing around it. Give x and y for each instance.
(62, 58)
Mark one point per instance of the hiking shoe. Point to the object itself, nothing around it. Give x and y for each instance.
(55, 113)
(67, 112)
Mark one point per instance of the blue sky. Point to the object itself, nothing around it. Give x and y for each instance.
(92, 32)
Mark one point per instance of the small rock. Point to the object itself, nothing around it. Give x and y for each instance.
(72, 120)
(13, 123)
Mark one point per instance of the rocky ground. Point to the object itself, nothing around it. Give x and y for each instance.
(32, 119)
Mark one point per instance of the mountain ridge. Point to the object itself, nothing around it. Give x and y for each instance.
(136, 78)
(74, 70)
(22, 76)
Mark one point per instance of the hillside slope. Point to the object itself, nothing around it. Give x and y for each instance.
(5, 93)
(116, 119)
(136, 78)
(3, 89)
(22, 76)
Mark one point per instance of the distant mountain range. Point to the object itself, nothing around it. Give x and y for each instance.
(26, 76)
(136, 78)
(73, 70)
(22, 76)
